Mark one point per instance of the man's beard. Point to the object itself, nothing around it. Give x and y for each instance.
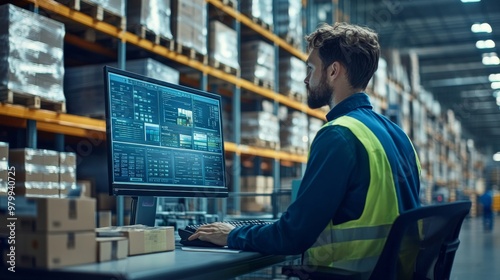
(319, 96)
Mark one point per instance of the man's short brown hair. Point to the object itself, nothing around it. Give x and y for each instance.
(355, 47)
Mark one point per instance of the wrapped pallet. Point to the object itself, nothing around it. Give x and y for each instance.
(288, 23)
(257, 63)
(189, 24)
(259, 9)
(153, 15)
(85, 84)
(223, 44)
(292, 136)
(314, 126)
(31, 54)
(292, 73)
(116, 7)
(260, 129)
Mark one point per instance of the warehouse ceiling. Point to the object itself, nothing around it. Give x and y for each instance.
(439, 32)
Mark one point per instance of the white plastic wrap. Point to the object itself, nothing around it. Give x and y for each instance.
(260, 126)
(292, 131)
(155, 15)
(292, 74)
(261, 9)
(116, 7)
(31, 53)
(189, 24)
(289, 20)
(85, 84)
(257, 61)
(223, 44)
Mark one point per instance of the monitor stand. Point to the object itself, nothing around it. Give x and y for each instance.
(143, 210)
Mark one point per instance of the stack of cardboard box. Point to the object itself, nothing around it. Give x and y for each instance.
(52, 232)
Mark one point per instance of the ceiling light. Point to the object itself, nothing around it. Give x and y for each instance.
(490, 59)
(470, 1)
(485, 44)
(496, 157)
(481, 28)
(494, 77)
(495, 85)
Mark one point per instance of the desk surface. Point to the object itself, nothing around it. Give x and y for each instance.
(177, 264)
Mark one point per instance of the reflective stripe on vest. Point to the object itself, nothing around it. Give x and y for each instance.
(356, 244)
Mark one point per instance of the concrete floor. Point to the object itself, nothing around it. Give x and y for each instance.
(478, 256)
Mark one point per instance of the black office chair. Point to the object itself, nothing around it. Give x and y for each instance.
(421, 245)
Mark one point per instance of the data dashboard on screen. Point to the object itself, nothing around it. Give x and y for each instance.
(163, 139)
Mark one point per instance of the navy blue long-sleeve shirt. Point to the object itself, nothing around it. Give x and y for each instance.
(334, 186)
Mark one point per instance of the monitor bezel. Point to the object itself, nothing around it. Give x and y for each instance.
(130, 189)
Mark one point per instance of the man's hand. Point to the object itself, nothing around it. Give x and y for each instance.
(216, 233)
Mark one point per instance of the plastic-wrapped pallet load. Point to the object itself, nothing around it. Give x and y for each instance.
(292, 133)
(260, 9)
(292, 74)
(257, 61)
(116, 7)
(189, 24)
(85, 85)
(154, 15)
(314, 126)
(31, 53)
(260, 129)
(223, 44)
(288, 23)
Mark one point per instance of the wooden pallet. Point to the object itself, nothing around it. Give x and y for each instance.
(96, 11)
(262, 83)
(32, 101)
(296, 96)
(260, 22)
(221, 66)
(191, 53)
(260, 143)
(231, 3)
(147, 34)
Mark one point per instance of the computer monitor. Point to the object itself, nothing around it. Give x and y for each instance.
(163, 139)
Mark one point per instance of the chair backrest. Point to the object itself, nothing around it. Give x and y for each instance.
(422, 243)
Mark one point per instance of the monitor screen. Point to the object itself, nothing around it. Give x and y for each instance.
(163, 139)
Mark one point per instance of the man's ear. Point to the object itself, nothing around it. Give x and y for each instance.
(334, 70)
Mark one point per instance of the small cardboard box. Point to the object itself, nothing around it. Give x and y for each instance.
(111, 248)
(53, 250)
(104, 218)
(52, 214)
(143, 239)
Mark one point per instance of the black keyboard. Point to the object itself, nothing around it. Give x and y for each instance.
(187, 231)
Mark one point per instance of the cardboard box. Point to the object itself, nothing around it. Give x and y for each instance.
(67, 159)
(111, 248)
(36, 189)
(21, 157)
(52, 214)
(143, 239)
(86, 186)
(53, 250)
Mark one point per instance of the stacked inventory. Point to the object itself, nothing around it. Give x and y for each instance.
(189, 24)
(85, 85)
(31, 52)
(67, 172)
(54, 232)
(152, 15)
(292, 134)
(261, 185)
(292, 73)
(223, 45)
(257, 65)
(260, 129)
(258, 9)
(314, 126)
(37, 171)
(4, 167)
(288, 23)
(116, 7)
